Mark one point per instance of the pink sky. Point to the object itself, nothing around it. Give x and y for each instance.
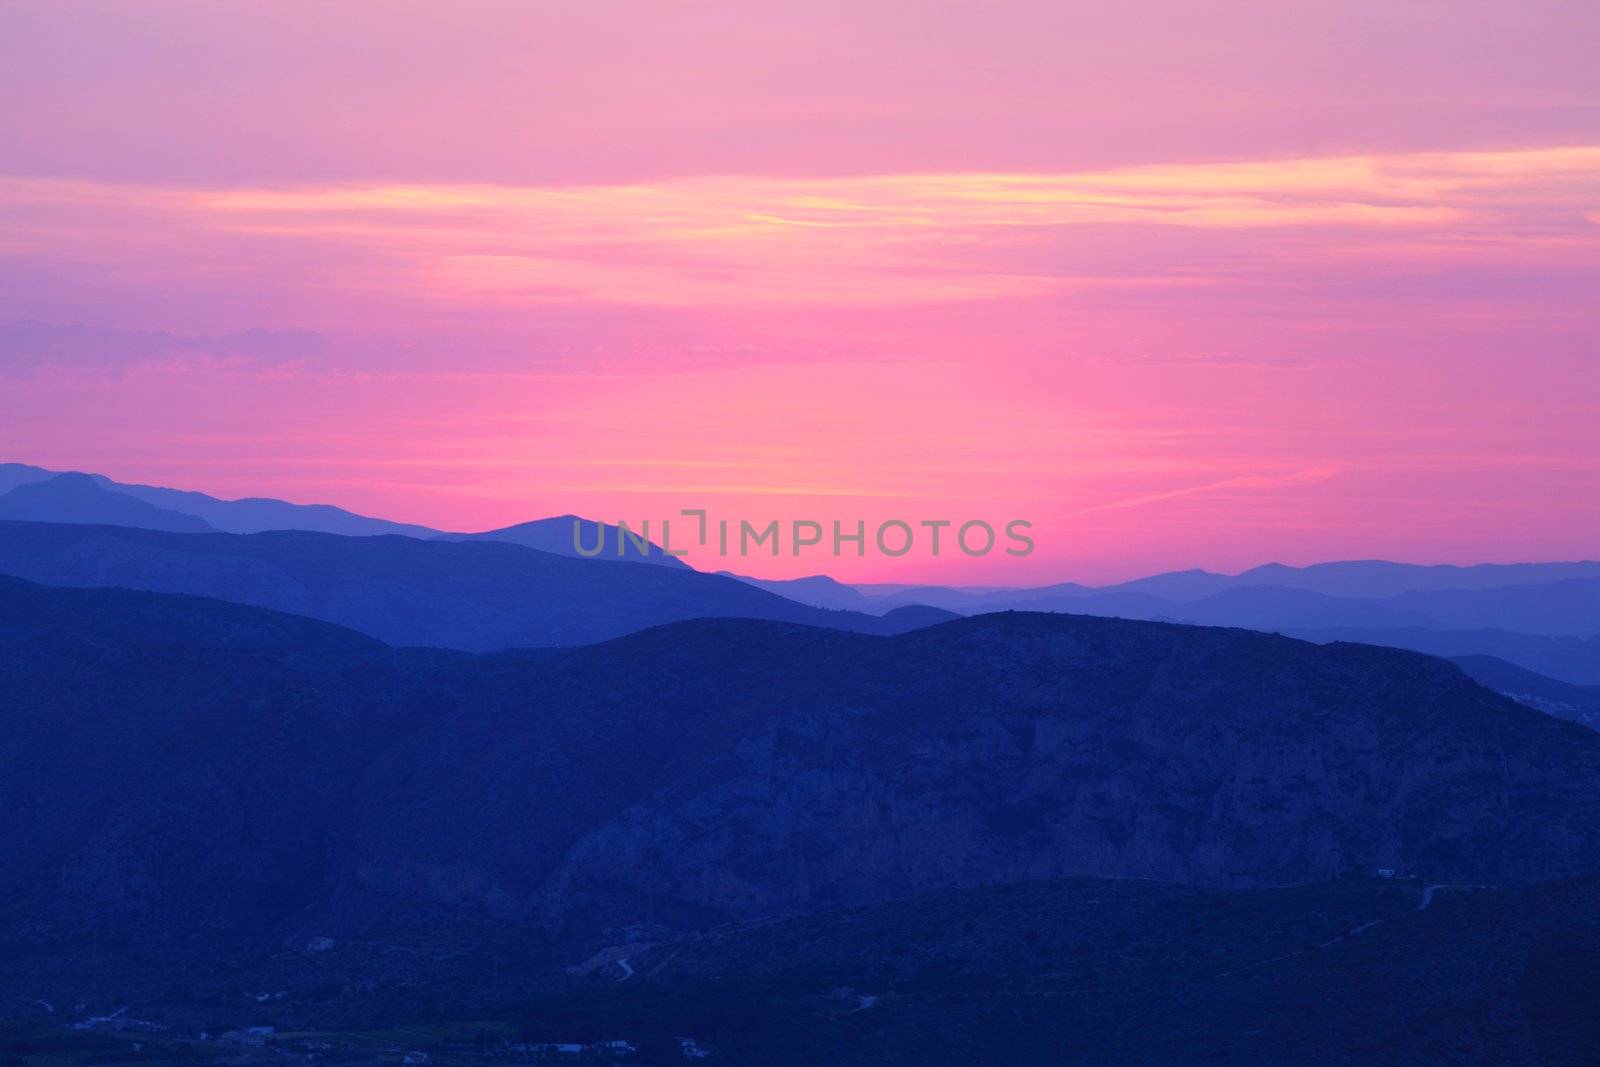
(1185, 285)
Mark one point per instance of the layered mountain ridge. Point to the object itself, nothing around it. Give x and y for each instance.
(204, 775)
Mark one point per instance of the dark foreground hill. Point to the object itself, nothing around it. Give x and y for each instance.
(473, 595)
(1580, 703)
(1094, 972)
(1083, 971)
(201, 777)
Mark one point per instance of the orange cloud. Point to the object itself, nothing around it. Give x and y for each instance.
(842, 241)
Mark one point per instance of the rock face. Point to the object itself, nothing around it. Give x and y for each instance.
(207, 774)
(1013, 747)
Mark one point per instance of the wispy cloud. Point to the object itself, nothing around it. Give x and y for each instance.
(1248, 483)
(842, 241)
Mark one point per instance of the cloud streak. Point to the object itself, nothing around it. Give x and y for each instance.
(1255, 483)
(889, 240)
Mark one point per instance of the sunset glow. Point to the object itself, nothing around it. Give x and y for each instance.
(1188, 311)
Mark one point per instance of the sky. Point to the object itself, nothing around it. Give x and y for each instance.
(1182, 285)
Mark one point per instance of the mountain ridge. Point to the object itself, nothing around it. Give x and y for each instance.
(79, 498)
(556, 535)
(303, 779)
(474, 595)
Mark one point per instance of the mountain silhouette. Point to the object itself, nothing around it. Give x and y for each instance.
(15, 474)
(1381, 578)
(250, 515)
(555, 535)
(259, 514)
(820, 591)
(1569, 606)
(476, 595)
(1351, 579)
(79, 498)
(1551, 626)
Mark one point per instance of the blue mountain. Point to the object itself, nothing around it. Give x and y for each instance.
(475, 594)
(79, 498)
(555, 535)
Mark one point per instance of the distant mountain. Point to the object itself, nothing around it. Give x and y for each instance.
(1580, 703)
(1276, 608)
(1158, 593)
(1380, 578)
(1180, 586)
(250, 515)
(476, 594)
(1357, 579)
(1550, 627)
(555, 535)
(818, 590)
(78, 498)
(263, 514)
(823, 592)
(1570, 606)
(1533, 599)
(202, 778)
(975, 601)
(259, 514)
(1570, 659)
(15, 474)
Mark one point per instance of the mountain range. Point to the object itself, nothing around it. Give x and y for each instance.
(1549, 622)
(561, 535)
(209, 778)
(60, 497)
(1359, 579)
(476, 595)
(353, 782)
(1543, 617)
(40, 495)
(78, 498)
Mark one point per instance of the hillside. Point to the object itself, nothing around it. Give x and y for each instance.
(284, 778)
(1076, 971)
(1126, 972)
(1580, 703)
(1568, 658)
